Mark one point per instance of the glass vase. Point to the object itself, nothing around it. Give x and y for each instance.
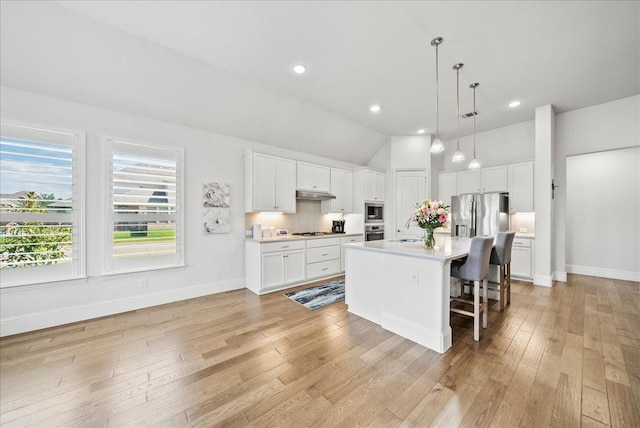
(429, 239)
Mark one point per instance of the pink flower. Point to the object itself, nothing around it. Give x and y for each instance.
(425, 210)
(443, 218)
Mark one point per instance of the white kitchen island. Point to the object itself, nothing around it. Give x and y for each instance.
(404, 287)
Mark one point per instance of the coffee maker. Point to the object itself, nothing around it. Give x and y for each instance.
(338, 226)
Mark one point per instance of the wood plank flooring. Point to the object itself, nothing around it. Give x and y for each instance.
(565, 356)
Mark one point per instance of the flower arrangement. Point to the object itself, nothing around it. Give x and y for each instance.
(429, 215)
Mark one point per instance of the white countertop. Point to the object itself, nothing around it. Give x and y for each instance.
(300, 237)
(447, 248)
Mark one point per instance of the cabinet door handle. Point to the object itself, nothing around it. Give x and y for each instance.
(285, 246)
(325, 268)
(325, 254)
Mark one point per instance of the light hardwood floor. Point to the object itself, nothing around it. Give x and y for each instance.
(562, 356)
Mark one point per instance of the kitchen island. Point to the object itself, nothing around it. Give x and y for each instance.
(404, 287)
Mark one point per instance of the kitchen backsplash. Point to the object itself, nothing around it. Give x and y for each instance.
(523, 223)
(307, 218)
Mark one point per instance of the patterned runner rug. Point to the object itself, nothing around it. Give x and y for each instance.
(320, 295)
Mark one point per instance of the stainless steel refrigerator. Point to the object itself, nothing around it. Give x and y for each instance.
(479, 214)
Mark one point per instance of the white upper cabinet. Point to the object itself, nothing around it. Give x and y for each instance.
(342, 189)
(483, 180)
(373, 186)
(447, 186)
(269, 183)
(313, 177)
(494, 179)
(469, 181)
(521, 187)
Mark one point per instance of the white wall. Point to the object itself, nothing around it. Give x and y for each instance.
(510, 144)
(603, 127)
(214, 263)
(603, 205)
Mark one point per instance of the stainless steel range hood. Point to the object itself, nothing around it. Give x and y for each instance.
(312, 195)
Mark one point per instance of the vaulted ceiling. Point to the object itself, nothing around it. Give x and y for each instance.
(569, 54)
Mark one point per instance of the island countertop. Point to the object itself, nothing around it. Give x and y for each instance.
(446, 249)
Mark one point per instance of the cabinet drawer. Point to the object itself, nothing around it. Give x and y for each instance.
(282, 246)
(322, 242)
(330, 267)
(351, 239)
(321, 254)
(522, 242)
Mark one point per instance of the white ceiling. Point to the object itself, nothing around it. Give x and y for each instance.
(225, 66)
(570, 54)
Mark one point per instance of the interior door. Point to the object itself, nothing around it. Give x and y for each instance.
(411, 188)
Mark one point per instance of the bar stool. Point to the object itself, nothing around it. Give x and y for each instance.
(501, 256)
(475, 268)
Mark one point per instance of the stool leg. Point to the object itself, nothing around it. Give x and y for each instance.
(485, 301)
(508, 275)
(476, 310)
(502, 288)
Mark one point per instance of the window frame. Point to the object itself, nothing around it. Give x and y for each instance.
(76, 269)
(124, 145)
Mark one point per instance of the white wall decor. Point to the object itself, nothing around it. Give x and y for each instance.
(216, 220)
(215, 201)
(215, 195)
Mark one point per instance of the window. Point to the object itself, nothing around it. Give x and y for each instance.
(41, 205)
(143, 216)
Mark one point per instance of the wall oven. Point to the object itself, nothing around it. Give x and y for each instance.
(373, 212)
(373, 233)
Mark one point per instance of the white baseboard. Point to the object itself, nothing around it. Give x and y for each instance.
(36, 321)
(543, 280)
(436, 340)
(560, 276)
(625, 275)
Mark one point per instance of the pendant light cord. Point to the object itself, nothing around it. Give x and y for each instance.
(458, 106)
(437, 97)
(475, 113)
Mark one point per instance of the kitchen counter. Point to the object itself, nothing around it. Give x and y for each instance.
(301, 237)
(446, 249)
(404, 287)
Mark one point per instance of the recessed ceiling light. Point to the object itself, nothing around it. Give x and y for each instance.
(299, 69)
(421, 131)
(514, 104)
(375, 108)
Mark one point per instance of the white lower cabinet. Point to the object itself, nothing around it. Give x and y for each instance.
(522, 258)
(274, 265)
(323, 257)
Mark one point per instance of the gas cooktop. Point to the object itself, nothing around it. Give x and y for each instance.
(315, 233)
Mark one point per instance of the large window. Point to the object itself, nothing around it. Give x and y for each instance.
(41, 205)
(143, 227)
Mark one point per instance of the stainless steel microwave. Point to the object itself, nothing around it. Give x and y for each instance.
(373, 212)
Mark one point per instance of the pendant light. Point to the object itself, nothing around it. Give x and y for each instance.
(474, 164)
(458, 156)
(436, 145)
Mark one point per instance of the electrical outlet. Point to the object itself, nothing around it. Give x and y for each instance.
(248, 233)
(523, 230)
(143, 283)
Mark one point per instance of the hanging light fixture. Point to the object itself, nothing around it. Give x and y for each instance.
(458, 156)
(474, 164)
(436, 145)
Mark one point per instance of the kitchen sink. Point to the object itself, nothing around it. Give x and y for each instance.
(407, 240)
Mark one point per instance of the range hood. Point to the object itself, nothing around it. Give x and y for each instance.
(312, 195)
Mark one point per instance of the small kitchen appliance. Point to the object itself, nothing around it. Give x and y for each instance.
(374, 212)
(338, 226)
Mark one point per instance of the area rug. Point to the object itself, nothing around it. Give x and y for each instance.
(320, 295)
